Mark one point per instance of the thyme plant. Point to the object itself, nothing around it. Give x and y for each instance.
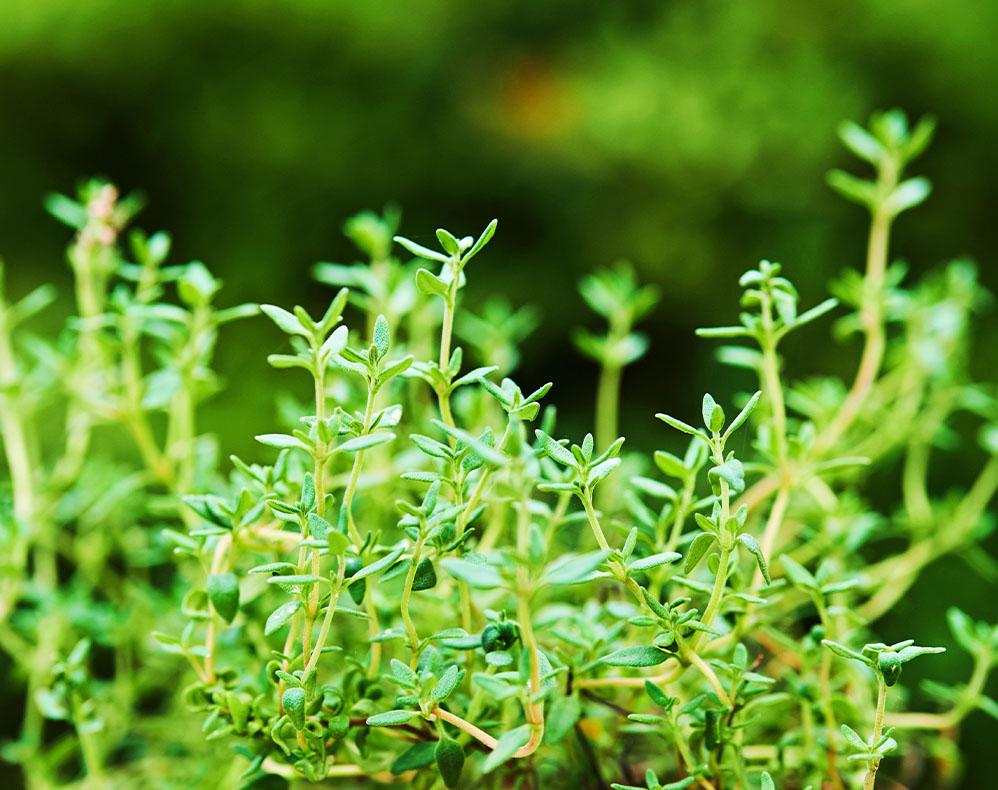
(415, 577)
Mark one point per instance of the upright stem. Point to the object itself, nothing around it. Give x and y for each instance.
(327, 621)
(825, 677)
(351, 489)
(446, 332)
(871, 315)
(319, 478)
(717, 593)
(447, 328)
(714, 603)
(772, 529)
(218, 564)
(90, 753)
(771, 383)
(878, 729)
(410, 577)
(15, 440)
(533, 709)
(607, 405)
(587, 504)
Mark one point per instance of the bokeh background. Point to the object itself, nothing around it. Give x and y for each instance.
(691, 138)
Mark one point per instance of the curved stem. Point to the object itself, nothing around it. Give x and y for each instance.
(871, 318)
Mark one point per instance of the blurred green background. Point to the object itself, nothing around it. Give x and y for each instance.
(691, 138)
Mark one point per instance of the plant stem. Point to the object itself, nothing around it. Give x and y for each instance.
(771, 381)
(327, 620)
(311, 611)
(218, 564)
(607, 405)
(772, 529)
(534, 710)
(714, 602)
(878, 729)
(983, 662)
(711, 676)
(871, 315)
(410, 577)
(351, 488)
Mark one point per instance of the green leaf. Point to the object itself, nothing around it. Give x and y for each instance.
(506, 748)
(713, 415)
(447, 683)
(293, 701)
(404, 674)
(282, 441)
(382, 336)
(67, 211)
(365, 442)
(302, 579)
(753, 547)
(698, 548)
(658, 696)
(914, 651)
(855, 189)
(280, 616)
(799, 575)
(815, 312)
(679, 425)
(420, 251)
(273, 567)
(845, 652)
(33, 303)
(908, 194)
(574, 569)
(723, 331)
(861, 142)
(378, 565)
(555, 450)
(391, 718)
(485, 452)
(639, 656)
(732, 472)
(853, 738)
(419, 755)
(430, 284)
(223, 592)
(318, 526)
(561, 717)
(766, 782)
(669, 465)
(963, 630)
(425, 576)
(335, 343)
(487, 234)
(285, 321)
(742, 416)
(654, 561)
(449, 755)
(475, 574)
(987, 705)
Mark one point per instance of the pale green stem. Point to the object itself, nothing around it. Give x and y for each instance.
(533, 709)
(607, 405)
(351, 488)
(327, 620)
(410, 577)
(878, 729)
(771, 382)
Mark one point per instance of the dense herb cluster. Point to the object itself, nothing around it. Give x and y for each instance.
(416, 578)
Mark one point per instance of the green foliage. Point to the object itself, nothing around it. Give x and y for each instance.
(410, 580)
